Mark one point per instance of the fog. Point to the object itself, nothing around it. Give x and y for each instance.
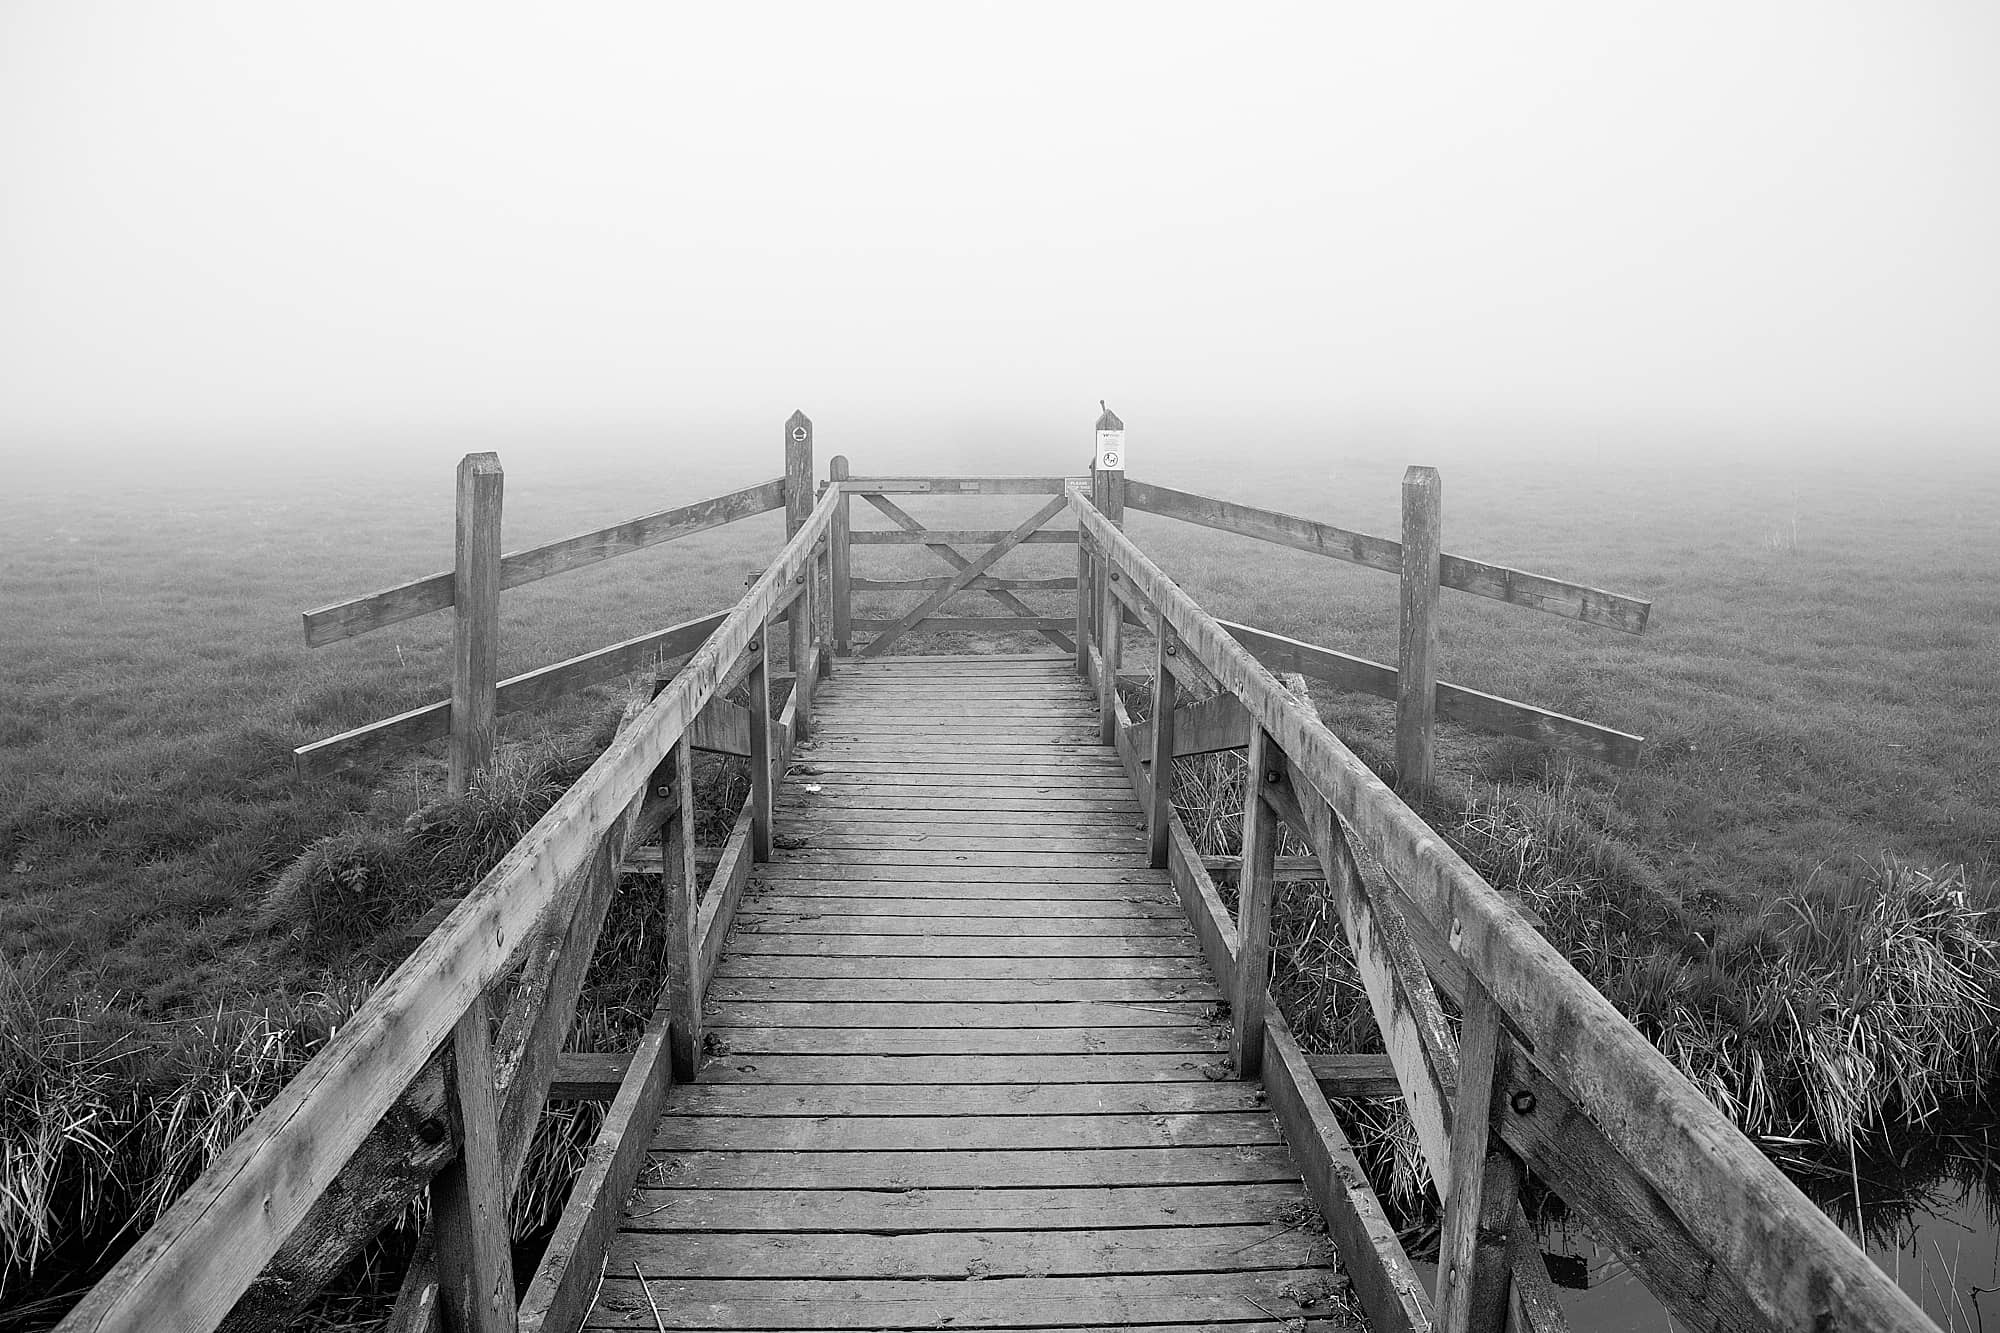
(285, 229)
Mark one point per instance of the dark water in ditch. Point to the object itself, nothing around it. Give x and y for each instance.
(1932, 1221)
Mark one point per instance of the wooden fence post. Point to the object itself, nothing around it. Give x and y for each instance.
(1416, 658)
(469, 1198)
(1255, 880)
(760, 746)
(1166, 697)
(1085, 605)
(841, 592)
(1474, 1282)
(475, 634)
(798, 508)
(683, 889)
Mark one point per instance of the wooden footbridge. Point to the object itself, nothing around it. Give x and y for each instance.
(959, 1031)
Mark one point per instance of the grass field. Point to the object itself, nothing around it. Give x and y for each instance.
(1820, 685)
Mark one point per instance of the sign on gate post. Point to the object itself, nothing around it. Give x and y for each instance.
(1110, 442)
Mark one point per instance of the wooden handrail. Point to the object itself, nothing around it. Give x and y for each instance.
(433, 592)
(188, 1269)
(1796, 1267)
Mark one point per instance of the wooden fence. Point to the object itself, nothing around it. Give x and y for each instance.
(1542, 1072)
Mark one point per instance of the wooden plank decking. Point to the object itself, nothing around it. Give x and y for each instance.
(969, 1072)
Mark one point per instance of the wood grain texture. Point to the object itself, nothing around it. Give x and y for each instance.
(475, 631)
(469, 1198)
(840, 570)
(345, 620)
(1416, 634)
(954, 537)
(958, 485)
(1255, 887)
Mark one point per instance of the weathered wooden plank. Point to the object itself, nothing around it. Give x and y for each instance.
(344, 620)
(761, 771)
(955, 537)
(1043, 625)
(968, 873)
(530, 689)
(681, 884)
(1342, 1076)
(1105, 1067)
(750, 921)
(564, 1283)
(1203, 1299)
(190, 1267)
(993, 1168)
(984, 583)
(795, 883)
(962, 1011)
(721, 727)
(753, 1042)
(802, 905)
(1150, 997)
(1794, 1264)
(1056, 974)
(964, 1133)
(840, 574)
(966, 946)
(950, 1256)
(1560, 597)
(957, 485)
(944, 1210)
(734, 1100)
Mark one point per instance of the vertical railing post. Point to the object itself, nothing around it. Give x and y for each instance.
(798, 508)
(841, 592)
(683, 945)
(1416, 658)
(1085, 607)
(1166, 698)
(1474, 1281)
(1107, 492)
(760, 746)
(469, 1198)
(1255, 881)
(475, 635)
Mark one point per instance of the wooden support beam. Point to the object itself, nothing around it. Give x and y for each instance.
(1160, 806)
(682, 885)
(760, 750)
(469, 1199)
(434, 592)
(958, 485)
(1255, 887)
(984, 583)
(951, 537)
(1473, 1285)
(1416, 642)
(1111, 632)
(839, 560)
(475, 633)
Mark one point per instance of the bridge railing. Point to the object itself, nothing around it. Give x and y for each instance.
(1541, 1073)
(513, 949)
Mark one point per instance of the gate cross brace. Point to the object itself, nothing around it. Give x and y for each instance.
(951, 556)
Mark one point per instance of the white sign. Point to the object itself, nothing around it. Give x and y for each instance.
(1111, 451)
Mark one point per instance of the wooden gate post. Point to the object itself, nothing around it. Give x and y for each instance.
(683, 889)
(760, 745)
(798, 508)
(1107, 492)
(1416, 658)
(1166, 698)
(475, 633)
(840, 592)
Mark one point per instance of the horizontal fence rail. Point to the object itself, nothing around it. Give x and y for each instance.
(187, 1271)
(1559, 597)
(406, 601)
(1758, 1239)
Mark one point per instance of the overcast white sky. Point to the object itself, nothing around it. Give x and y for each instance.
(244, 216)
